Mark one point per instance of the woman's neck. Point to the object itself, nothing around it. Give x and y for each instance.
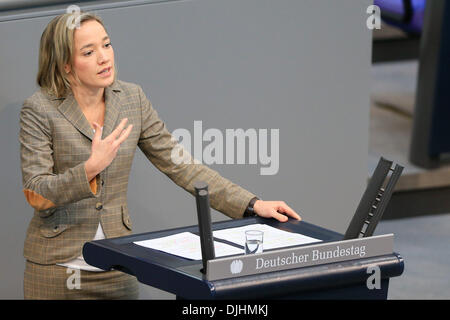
(87, 98)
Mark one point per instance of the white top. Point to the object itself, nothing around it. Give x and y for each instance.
(79, 263)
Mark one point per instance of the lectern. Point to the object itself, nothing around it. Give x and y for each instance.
(182, 277)
(356, 265)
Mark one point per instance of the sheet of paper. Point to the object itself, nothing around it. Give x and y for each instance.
(187, 245)
(272, 238)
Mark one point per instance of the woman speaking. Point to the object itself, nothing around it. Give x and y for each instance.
(78, 136)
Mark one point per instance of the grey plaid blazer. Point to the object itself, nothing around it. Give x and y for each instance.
(55, 140)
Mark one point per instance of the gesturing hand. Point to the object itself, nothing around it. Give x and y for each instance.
(104, 151)
(274, 209)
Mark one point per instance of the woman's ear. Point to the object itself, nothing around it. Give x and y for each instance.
(67, 68)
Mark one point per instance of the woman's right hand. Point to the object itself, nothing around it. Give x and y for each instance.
(104, 151)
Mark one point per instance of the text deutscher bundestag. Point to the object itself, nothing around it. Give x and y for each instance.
(316, 255)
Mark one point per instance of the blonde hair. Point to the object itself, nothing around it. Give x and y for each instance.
(56, 50)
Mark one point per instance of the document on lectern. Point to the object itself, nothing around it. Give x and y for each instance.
(272, 238)
(187, 245)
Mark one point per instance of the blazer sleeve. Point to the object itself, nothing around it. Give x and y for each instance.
(158, 144)
(43, 188)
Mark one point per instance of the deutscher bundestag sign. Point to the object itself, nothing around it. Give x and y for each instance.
(297, 257)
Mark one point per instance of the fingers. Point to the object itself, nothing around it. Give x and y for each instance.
(276, 209)
(280, 217)
(124, 134)
(116, 133)
(284, 208)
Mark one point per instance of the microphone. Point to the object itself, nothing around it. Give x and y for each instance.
(204, 222)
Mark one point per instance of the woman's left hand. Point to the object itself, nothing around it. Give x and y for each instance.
(274, 209)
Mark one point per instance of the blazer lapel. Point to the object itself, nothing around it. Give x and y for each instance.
(112, 106)
(70, 109)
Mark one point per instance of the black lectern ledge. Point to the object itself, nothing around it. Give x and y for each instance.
(356, 265)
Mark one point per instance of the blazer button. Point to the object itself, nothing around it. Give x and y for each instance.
(99, 206)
